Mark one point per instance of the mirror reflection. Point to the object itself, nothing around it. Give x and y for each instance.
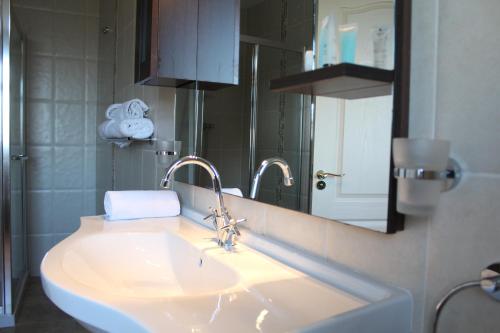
(323, 156)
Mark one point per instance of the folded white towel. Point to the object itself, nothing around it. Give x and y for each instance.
(109, 129)
(137, 128)
(234, 191)
(125, 205)
(133, 109)
(114, 111)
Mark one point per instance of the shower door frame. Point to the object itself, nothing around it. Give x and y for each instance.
(9, 304)
(256, 43)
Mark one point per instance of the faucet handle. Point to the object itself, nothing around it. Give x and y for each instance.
(212, 217)
(233, 226)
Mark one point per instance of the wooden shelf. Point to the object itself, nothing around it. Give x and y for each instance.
(348, 81)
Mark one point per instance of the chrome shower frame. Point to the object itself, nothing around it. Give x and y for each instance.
(9, 299)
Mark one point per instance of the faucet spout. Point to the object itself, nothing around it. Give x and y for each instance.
(285, 168)
(225, 226)
(167, 180)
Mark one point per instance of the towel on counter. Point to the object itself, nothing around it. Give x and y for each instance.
(234, 191)
(133, 109)
(125, 205)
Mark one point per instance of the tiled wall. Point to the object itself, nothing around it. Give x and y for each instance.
(136, 167)
(454, 96)
(61, 106)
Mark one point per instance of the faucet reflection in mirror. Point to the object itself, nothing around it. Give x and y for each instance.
(225, 226)
(285, 168)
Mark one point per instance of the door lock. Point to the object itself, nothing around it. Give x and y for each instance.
(321, 185)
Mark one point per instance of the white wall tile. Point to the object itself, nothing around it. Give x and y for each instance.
(61, 39)
(91, 123)
(69, 35)
(38, 4)
(68, 208)
(69, 80)
(90, 172)
(72, 6)
(37, 25)
(68, 167)
(39, 125)
(69, 123)
(40, 168)
(92, 7)
(467, 98)
(462, 240)
(39, 212)
(39, 245)
(40, 77)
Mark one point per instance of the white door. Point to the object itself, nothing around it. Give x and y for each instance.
(352, 137)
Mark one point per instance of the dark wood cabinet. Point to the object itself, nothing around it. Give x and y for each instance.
(187, 42)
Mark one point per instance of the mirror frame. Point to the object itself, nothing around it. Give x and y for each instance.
(401, 101)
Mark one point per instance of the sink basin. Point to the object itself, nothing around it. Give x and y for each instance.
(147, 265)
(168, 275)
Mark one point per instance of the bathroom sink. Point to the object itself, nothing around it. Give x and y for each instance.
(168, 275)
(147, 265)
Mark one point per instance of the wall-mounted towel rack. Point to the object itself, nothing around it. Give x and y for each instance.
(149, 140)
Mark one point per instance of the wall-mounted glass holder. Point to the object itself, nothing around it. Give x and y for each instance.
(166, 153)
(450, 177)
(166, 150)
(423, 170)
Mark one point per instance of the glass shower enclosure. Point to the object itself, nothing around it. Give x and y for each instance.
(13, 242)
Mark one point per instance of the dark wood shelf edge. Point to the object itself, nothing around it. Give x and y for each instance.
(292, 82)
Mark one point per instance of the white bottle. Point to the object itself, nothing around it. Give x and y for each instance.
(327, 53)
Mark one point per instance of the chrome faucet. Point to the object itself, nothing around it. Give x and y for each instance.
(225, 226)
(285, 168)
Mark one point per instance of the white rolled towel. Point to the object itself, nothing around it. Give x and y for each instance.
(110, 129)
(137, 128)
(133, 109)
(114, 111)
(234, 191)
(126, 205)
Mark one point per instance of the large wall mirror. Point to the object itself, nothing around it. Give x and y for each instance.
(338, 150)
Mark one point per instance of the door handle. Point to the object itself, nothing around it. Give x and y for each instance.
(323, 174)
(20, 157)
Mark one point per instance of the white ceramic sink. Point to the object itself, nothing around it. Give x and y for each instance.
(168, 275)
